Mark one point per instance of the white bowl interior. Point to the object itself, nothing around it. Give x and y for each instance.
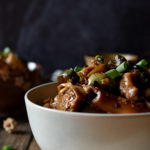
(38, 94)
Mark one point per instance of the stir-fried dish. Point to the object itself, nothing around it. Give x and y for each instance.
(116, 86)
(10, 62)
(15, 71)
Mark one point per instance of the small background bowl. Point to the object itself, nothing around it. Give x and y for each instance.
(109, 56)
(12, 92)
(60, 130)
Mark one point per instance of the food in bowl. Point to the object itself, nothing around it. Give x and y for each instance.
(15, 79)
(118, 86)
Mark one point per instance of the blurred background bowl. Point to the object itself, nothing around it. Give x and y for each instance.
(13, 87)
(109, 56)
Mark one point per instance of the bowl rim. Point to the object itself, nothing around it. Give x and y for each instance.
(76, 113)
(115, 53)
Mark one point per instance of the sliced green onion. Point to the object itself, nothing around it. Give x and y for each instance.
(67, 72)
(143, 63)
(77, 69)
(123, 67)
(113, 73)
(101, 62)
(7, 147)
(100, 58)
(96, 77)
(6, 51)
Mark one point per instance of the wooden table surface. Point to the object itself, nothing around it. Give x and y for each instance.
(22, 139)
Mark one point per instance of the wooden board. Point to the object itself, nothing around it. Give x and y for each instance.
(22, 139)
(33, 145)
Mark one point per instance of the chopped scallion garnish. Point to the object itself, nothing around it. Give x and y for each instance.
(7, 147)
(67, 72)
(96, 77)
(77, 69)
(99, 58)
(113, 73)
(123, 67)
(143, 63)
(6, 51)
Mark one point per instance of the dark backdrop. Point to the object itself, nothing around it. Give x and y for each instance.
(58, 33)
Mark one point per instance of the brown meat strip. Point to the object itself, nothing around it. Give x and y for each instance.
(127, 87)
(110, 103)
(69, 98)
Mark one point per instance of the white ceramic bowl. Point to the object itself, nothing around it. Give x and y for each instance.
(60, 130)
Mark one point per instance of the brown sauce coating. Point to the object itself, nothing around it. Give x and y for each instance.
(103, 89)
(127, 87)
